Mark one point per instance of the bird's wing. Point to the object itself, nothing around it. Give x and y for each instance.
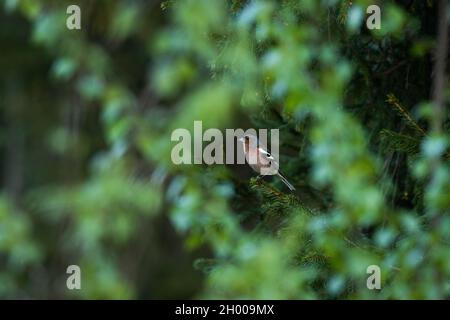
(267, 160)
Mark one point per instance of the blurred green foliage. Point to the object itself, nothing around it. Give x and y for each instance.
(85, 146)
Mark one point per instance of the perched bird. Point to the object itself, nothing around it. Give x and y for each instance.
(260, 159)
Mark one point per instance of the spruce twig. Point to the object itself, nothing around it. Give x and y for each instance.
(394, 141)
(393, 101)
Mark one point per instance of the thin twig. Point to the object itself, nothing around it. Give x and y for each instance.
(440, 67)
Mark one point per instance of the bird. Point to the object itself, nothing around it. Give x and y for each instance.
(260, 160)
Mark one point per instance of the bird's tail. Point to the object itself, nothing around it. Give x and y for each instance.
(286, 182)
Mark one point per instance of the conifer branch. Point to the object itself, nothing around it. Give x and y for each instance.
(287, 200)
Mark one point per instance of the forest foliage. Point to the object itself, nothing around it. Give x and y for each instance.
(85, 145)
